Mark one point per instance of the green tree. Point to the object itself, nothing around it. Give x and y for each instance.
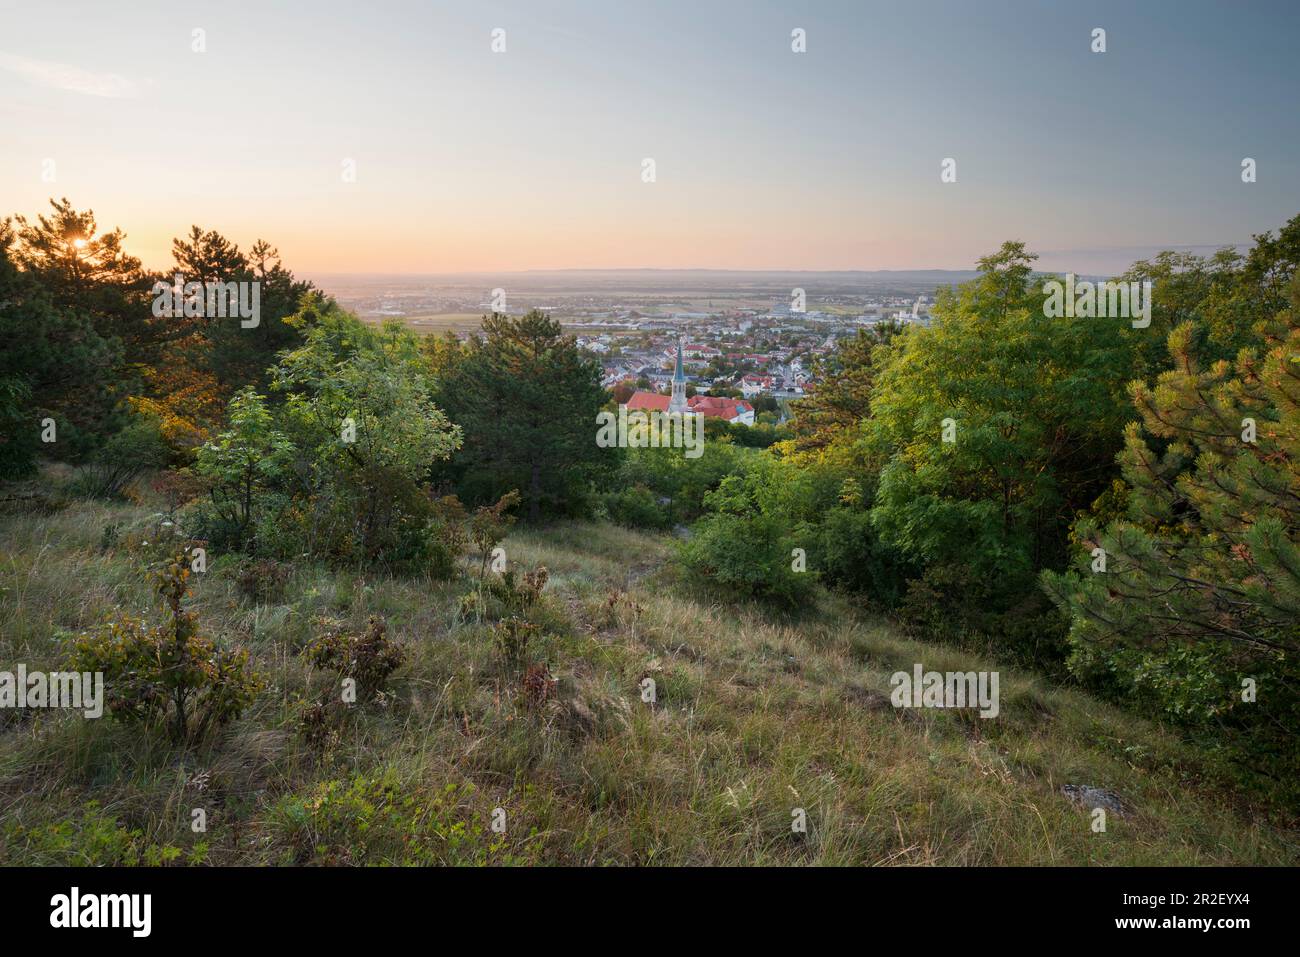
(241, 466)
(89, 272)
(233, 354)
(527, 399)
(1196, 590)
(754, 543)
(993, 427)
(1032, 409)
(53, 364)
(359, 411)
(841, 399)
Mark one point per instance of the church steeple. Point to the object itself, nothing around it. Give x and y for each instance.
(678, 402)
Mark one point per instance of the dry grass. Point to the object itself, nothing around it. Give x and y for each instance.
(754, 717)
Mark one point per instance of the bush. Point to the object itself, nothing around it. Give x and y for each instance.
(262, 579)
(675, 486)
(369, 819)
(338, 470)
(851, 555)
(368, 658)
(169, 673)
(515, 595)
(637, 507)
(126, 456)
(92, 839)
(1009, 618)
(511, 637)
(241, 466)
(489, 526)
(449, 537)
(748, 556)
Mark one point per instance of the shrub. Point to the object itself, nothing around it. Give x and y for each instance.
(637, 507)
(516, 595)
(538, 685)
(240, 466)
(365, 432)
(168, 673)
(851, 555)
(749, 556)
(489, 526)
(370, 819)
(110, 536)
(112, 469)
(512, 636)
(675, 486)
(1007, 617)
(449, 536)
(176, 488)
(91, 839)
(1197, 595)
(262, 579)
(368, 658)
(338, 470)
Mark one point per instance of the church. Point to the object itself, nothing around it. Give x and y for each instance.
(733, 411)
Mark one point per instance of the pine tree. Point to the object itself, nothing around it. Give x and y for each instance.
(527, 399)
(52, 364)
(89, 271)
(842, 397)
(1196, 593)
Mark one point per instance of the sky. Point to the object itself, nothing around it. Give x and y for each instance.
(468, 159)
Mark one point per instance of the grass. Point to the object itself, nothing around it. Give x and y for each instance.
(754, 716)
(435, 323)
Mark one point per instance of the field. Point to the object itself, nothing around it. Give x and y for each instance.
(457, 322)
(754, 719)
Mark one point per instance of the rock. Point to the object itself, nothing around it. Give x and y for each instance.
(1085, 795)
(866, 698)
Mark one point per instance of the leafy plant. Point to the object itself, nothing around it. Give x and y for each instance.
(489, 526)
(368, 658)
(169, 673)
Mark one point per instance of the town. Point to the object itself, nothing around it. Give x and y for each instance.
(749, 342)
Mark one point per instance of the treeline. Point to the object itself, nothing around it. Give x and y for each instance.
(302, 432)
(1115, 505)
(89, 375)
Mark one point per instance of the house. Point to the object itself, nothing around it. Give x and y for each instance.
(734, 411)
(695, 355)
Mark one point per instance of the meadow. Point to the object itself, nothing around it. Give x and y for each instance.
(756, 716)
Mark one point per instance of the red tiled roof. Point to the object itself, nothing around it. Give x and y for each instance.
(650, 401)
(716, 408)
(711, 407)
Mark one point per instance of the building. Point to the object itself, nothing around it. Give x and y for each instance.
(677, 403)
(733, 411)
(752, 384)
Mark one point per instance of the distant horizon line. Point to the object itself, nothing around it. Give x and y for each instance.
(1139, 251)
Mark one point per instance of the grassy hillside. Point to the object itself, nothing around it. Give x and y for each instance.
(754, 717)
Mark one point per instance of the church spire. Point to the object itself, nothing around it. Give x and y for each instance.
(678, 402)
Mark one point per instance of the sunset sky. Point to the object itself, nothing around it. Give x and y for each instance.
(469, 160)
